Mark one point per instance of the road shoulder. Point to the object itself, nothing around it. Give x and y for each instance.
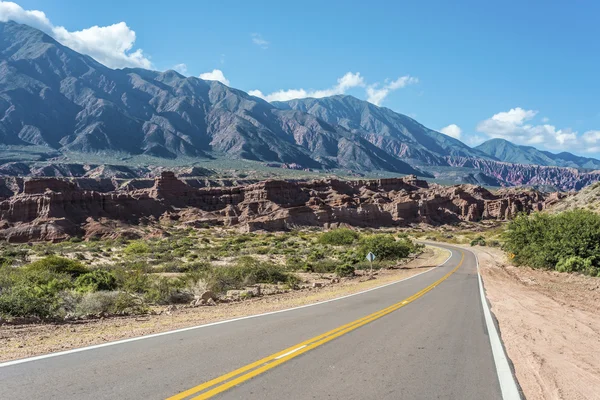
(549, 326)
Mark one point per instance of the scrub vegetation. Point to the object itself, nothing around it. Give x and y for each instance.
(567, 242)
(93, 278)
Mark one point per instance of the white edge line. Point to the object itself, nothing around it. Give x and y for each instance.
(508, 385)
(97, 346)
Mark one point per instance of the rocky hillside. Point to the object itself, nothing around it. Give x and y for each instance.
(52, 96)
(588, 198)
(56, 209)
(392, 132)
(504, 150)
(509, 174)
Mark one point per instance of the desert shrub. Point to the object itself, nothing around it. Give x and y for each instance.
(338, 237)
(58, 265)
(31, 292)
(136, 247)
(95, 281)
(135, 281)
(316, 255)
(26, 301)
(161, 290)
(344, 270)
(478, 241)
(246, 271)
(293, 263)
(573, 263)
(110, 303)
(350, 257)
(385, 247)
(569, 241)
(321, 266)
(195, 266)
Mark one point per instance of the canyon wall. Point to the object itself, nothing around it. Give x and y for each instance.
(56, 209)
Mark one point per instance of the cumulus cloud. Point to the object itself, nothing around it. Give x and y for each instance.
(215, 75)
(517, 125)
(375, 92)
(348, 81)
(181, 68)
(452, 130)
(258, 40)
(110, 45)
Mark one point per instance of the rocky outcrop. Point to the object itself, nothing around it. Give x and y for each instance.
(55, 209)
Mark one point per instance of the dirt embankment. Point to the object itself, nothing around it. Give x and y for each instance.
(19, 341)
(550, 325)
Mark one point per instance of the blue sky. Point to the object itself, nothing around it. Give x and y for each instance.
(525, 71)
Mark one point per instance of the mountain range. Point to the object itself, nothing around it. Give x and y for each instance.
(55, 98)
(513, 153)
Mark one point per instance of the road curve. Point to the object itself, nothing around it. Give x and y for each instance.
(423, 338)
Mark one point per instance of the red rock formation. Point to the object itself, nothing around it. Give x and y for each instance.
(54, 209)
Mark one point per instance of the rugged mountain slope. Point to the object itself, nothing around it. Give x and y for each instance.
(507, 151)
(588, 198)
(559, 178)
(55, 97)
(392, 132)
(60, 100)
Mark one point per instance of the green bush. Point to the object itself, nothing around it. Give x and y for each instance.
(137, 248)
(96, 280)
(344, 270)
(163, 290)
(58, 265)
(321, 266)
(338, 237)
(31, 292)
(246, 271)
(478, 241)
(316, 255)
(385, 247)
(569, 241)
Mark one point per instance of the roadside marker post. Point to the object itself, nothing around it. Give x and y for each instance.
(371, 257)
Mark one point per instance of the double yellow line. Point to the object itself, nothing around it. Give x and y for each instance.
(240, 375)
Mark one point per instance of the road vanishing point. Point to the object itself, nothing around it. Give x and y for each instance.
(430, 336)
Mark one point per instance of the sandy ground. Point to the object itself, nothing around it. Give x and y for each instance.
(19, 341)
(550, 325)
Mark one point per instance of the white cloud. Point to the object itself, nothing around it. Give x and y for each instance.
(516, 125)
(350, 80)
(181, 68)
(110, 45)
(215, 75)
(376, 94)
(452, 130)
(591, 137)
(258, 40)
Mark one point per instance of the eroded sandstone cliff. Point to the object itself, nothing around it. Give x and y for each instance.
(56, 209)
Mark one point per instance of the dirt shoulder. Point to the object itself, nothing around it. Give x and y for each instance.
(549, 324)
(19, 341)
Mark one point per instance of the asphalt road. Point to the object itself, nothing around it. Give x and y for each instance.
(434, 345)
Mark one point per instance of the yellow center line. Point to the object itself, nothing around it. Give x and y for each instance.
(258, 367)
